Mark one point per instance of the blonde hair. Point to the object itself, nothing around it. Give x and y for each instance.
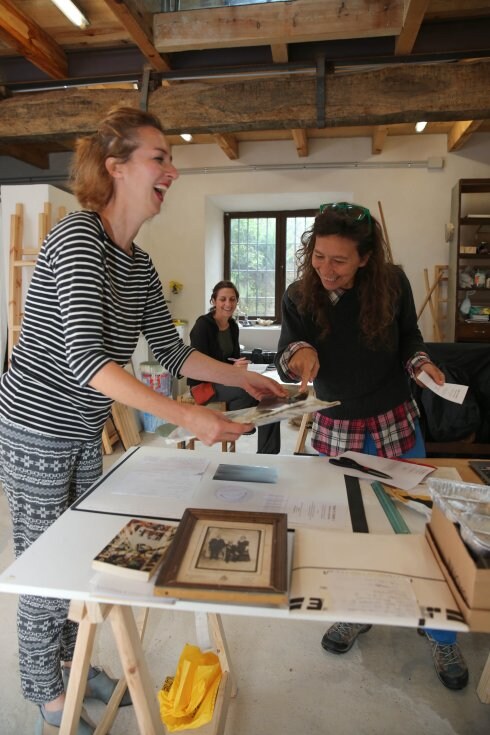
(116, 136)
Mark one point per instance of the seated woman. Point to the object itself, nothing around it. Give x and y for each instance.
(216, 334)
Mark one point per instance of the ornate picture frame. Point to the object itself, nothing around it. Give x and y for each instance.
(229, 556)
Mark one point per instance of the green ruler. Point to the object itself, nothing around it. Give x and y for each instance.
(392, 513)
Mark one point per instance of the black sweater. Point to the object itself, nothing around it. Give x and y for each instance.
(204, 337)
(367, 381)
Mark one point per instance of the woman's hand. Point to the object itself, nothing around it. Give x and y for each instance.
(203, 368)
(431, 370)
(212, 426)
(259, 386)
(305, 363)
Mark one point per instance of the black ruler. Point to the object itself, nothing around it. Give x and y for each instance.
(356, 504)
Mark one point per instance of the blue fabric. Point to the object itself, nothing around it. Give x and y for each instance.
(442, 636)
(418, 449)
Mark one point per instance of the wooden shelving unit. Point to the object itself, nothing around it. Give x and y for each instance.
(470, 216)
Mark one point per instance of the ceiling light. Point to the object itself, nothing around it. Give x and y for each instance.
(420, 126)
(186, 136)
(72, 12)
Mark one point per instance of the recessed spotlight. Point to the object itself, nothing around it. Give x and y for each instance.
(186, 136)
(420, 126)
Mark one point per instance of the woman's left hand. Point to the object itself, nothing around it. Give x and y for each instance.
(431, 370)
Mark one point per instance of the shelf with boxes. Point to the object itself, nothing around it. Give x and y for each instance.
(469, 283)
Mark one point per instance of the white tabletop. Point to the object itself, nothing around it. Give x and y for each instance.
(58, 564)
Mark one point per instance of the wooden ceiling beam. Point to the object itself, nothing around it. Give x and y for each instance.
(279, 53)
(300, 141)
(412, 20)
(27, 154)
(228, 144)
(28, 39)
(460, 133)
(380, 133)
(276, 23)
(133, 15)
(438, 92)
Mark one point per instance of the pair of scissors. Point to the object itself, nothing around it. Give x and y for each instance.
(353, 465)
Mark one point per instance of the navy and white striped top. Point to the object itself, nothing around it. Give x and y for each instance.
(86, 305)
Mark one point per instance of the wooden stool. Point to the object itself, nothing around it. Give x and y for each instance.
(226, 446)
(120, 426)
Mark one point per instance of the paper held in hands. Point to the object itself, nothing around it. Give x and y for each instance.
(267, 411)
(450, 391)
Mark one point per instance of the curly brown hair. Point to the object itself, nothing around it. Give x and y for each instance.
(117, 135)
(377, 283)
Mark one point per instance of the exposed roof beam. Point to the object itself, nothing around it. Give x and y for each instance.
(228, 144)
(378, 97)
(275, 23)
(460, 133)
(139, 24)
(300, 141)
(27, 154)
(30, 40)
(279, 53)
(379, 137)
(413, 17)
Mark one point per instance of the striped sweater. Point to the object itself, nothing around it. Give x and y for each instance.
(87, 303)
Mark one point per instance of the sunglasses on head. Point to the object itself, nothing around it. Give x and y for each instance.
(353, 211)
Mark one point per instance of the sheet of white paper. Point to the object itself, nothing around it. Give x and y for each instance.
(450, 391)
(307, 512)
(405, 475)
(371, 592)
(301, 511)
(163, 477)
(371, 578)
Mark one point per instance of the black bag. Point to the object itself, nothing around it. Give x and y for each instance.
(445, 420)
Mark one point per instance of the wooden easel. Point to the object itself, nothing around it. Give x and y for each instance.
(389, 253)
(136, 675)
(21, 257)
(440, 276)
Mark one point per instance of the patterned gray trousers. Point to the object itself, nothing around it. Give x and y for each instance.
(42, 476)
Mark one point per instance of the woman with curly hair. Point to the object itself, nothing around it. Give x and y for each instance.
(349, 325)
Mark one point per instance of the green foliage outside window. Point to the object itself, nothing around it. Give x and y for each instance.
(261, 257)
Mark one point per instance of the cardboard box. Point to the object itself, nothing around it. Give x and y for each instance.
(474, 583)
(469, 584)
(477, 620)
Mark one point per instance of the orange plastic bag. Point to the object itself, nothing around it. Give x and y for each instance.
(187, 700)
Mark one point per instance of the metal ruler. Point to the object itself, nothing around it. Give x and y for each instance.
(356, 504)
(392, 513)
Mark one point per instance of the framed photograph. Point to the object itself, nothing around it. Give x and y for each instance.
(229, 556)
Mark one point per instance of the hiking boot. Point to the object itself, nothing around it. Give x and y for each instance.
(43, 727)
(100, 686)
(449, 664)
(340, 637)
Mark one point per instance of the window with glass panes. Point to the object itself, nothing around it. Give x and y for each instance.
(260, 257)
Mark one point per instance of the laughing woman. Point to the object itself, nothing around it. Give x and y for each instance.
(92, 293)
